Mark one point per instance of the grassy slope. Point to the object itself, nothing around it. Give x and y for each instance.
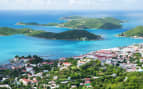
(138, 31)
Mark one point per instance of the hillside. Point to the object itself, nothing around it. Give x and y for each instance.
(138, 32)
(77, 22)
(11, 31)
(90, 23)
(67, 35)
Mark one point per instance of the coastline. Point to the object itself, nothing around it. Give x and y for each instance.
(83, 55)
(135, 37)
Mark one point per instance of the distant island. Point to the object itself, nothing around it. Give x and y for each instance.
(136, 32)
(71, 18)
(80, 23)
(67, 35)
(37, 24)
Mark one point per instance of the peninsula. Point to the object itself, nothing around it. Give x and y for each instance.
(80, 23)
(136, 32)
(67, 35)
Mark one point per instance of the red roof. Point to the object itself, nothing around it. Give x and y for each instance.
(63, 58)
(35, 81)
(82, 62)
(26, 80)
(104, 51)
(44, 62)
(67, 63)
(50, 63)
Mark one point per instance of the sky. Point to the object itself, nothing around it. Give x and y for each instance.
(71, 5)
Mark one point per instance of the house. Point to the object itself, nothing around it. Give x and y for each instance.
(25, 60)
(66, 64)
(33, 65)
(64, 82)
(108, 61)
(91, 56)
(16, 59)
(73, 86)
(53, 85)
(25, 81)
(80, 63)
(38, 74)
(29, 69)
(78, 57)
(62, 59)
(34, 80)
(55, 77)
(28, 81)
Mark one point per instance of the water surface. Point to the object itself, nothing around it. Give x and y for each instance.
(24, 45)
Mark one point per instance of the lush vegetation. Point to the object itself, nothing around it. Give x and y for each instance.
(138, 31)
(101, 76)
(90, 23)
(37, 24)
(77, 22)
(11, 31)
(67, 35)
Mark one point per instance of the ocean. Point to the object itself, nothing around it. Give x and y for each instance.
(23, 45)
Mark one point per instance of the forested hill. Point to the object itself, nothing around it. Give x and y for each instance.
(67, 35)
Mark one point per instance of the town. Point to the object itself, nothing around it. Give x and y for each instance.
(90, 71)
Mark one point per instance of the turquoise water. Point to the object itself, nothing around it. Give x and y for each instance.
(24, 45)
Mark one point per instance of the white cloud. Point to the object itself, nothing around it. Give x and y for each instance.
(71, 4)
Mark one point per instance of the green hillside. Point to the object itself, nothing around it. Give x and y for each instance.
(77, 22)
(90, 23)
(138, 31)
(67, 35)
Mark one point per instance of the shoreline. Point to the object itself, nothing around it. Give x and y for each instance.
(135, 37)
(57, 59)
